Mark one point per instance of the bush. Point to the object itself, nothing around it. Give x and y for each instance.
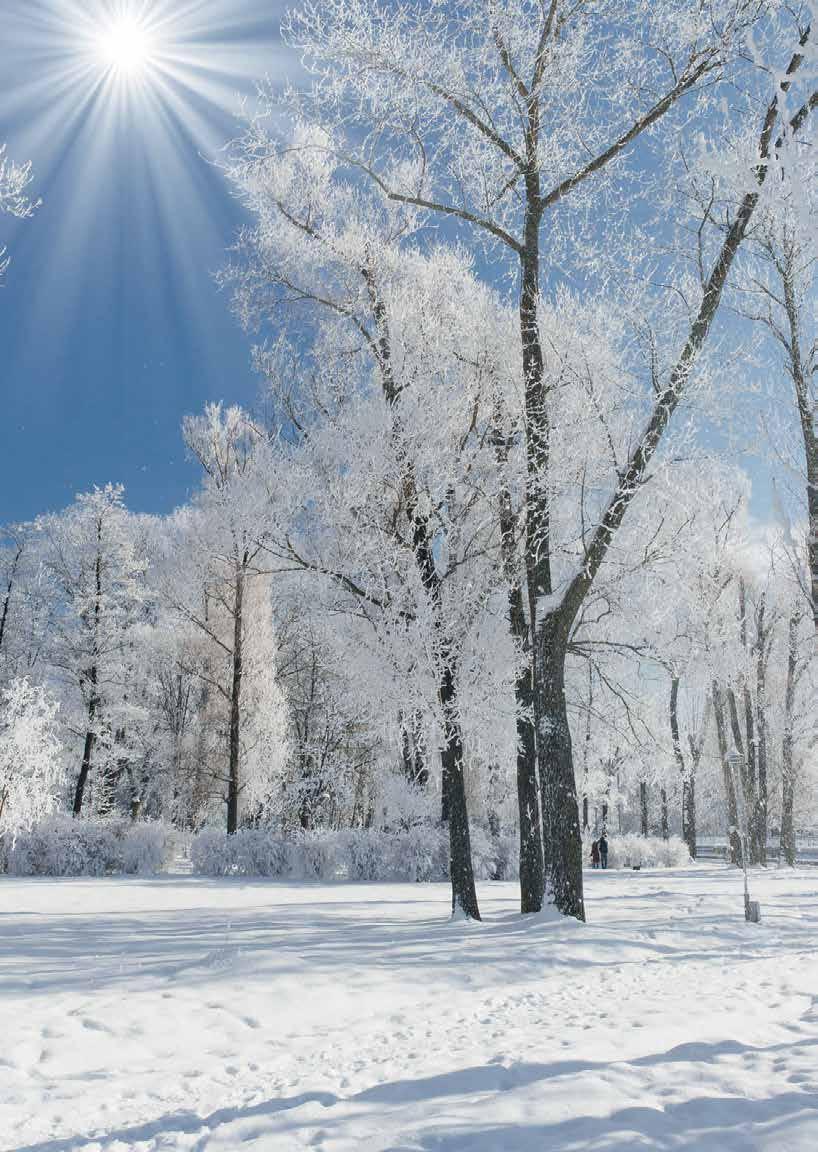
(63, 846)
(415, 855)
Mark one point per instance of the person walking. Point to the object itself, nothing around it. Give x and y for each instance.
(595, 854)
(603, 850)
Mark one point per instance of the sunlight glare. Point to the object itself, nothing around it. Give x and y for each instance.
(125, 46)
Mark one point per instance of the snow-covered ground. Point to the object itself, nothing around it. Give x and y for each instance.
(186, 1014)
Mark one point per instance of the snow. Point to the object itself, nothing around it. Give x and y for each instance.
(188, 1013)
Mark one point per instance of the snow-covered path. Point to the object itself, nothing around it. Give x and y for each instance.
(189, 1014)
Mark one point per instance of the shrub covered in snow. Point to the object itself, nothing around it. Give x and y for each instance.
(63, 846)
(411, 855)
(30, 773)
(630, 850)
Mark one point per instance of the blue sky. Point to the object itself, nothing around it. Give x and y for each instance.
(111, 327)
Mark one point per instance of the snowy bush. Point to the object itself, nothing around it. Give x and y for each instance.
(146, 848)
(63, 846)
(415, 855)
(248, 852)
(631, 850)
(30, 771)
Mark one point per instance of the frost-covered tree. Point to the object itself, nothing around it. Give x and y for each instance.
(495, 119)
(96, 565)
(216, 580)
(30, 756)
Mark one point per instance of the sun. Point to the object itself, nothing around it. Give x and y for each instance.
(125, 45)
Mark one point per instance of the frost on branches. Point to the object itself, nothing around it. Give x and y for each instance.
(30, 757)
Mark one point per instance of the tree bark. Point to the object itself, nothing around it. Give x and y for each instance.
(560, 808)
(464, 894)
(233, 779)
(643, 807)
(93, 680)
(528, 799)
(688, 775)
(87, 752)
(788, 847)
(734, 837)
(760, 815)
(807, 418)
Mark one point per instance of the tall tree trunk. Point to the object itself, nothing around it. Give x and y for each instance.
(528, 799)
(747, 779)
(454, 810)
(562, 832)
(733, 834)
(93, 681)
(665, 822)
(688, 775)
(787, 765)
(809, 432)
(643, 807)
(233, 781)
(762, 649)
(88, 748)
(464, 894)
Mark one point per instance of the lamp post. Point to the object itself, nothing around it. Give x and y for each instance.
(752, 908)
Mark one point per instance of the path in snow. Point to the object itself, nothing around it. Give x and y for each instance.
(181, 1013)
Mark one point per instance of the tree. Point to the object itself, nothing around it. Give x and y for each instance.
(781, 289)
(446, 116)
(324, 249)
(217, 582)
(97, 570)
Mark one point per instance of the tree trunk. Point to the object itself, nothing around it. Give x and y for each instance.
(464, 894)
(643, 807)
(733, 834)
(665, 825)
(688, 776)
(760, 815)
(415, 768)
(528, 799)
(563, 836)
(747, 778)
(87, 753)
(787, 766)
(233, 782)
(809, 433)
